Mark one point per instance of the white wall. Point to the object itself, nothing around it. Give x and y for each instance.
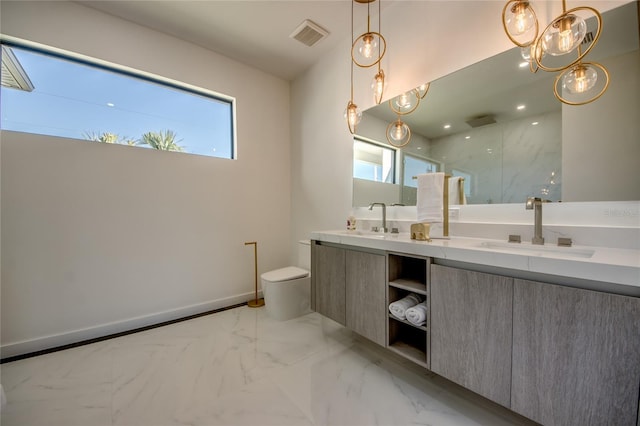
(426, 40)
(99, 238)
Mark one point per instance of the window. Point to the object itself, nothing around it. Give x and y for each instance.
(373, 162)
(56, 95)
(414, 166)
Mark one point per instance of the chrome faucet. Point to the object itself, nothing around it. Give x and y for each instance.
(535, 204)
(384, 215)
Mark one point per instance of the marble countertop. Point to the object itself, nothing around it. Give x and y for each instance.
(602, 264)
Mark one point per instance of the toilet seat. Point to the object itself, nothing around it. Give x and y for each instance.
(285, 274)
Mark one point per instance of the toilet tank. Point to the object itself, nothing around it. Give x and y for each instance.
(304, 254)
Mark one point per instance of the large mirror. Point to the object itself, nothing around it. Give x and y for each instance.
(505, 154)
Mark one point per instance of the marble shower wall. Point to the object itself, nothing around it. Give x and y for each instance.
(507, 161)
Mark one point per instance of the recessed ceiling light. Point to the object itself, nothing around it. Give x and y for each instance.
(535, 123)
(467, 137)
(419, 147)
(447, 126)
(521, 107)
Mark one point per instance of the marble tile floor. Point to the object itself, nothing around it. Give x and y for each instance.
(236, 367)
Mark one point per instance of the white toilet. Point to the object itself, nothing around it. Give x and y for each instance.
(287, 291)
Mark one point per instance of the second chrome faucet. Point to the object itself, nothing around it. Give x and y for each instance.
(535, 204)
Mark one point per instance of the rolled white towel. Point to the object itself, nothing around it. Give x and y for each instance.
(399, 307)
(417, 314)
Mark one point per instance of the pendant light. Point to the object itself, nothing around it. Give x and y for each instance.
(398, 133)
(378, 85)
(520, 22)
(578, 82)
(368, 49)
(581, 84)
(423, 89)
(405, 103)
(352, 114)
(563, 36)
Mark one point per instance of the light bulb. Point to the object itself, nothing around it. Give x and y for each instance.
(378, 86)
(564, 35)
(580, 79)
(353, 116)
(368, 47)
(521, 19)
(398, 132)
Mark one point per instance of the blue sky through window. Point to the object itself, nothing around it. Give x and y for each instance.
(74, 100)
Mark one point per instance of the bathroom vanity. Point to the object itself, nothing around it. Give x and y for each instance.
(552, 335)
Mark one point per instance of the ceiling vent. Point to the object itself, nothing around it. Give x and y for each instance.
(481, 120)
(588, 38)
(13, 75)
(309, 33)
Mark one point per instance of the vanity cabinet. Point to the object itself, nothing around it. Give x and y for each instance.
(328, 281)
(348, 286)
(365, 295)
(576, 355)
(471, 321)
(564, 352)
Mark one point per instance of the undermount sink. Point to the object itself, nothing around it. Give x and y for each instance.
(537, 250)
(368, 234)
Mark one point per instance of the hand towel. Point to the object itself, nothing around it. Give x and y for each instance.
(399, 307)
(430, 197)
(417, 314)
(456, 196)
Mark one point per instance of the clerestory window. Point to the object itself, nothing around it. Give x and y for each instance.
(62, 95)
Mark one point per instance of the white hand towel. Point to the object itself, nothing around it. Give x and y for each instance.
(399, 307)
(456, 196)
(417, 314)
(430, 197)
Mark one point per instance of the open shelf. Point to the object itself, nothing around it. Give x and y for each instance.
(408, 274)
(414, 286)
(409, 323)
(408, 340)
(412, 353)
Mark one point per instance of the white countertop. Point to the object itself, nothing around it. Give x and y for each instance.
(602, 264)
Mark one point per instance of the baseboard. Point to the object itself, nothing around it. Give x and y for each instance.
(12, 350)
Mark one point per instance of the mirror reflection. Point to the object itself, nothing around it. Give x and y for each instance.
(500, 127)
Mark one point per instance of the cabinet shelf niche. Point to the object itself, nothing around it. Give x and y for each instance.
(410, 324)
(408, 341)
(413, 286)
(408, 274)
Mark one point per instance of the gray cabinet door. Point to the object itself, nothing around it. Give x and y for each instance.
(470, 329)
(576, 356)
(328, 277)
(365, 294)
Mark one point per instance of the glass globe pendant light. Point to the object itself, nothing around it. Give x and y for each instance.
(581, 84)
(353, 115)
(378, 85)
(398, 133)
(564, 35)
(423, 89)
(368, 49)
(405, 103)
(520, 22)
